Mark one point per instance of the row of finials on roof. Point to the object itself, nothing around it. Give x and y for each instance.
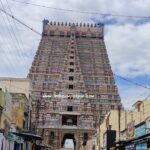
(76, 24)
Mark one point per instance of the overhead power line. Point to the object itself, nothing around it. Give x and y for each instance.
(5, 39)
(13, 35)
(20, 21)
(17, 31)
(83, 12)
(132, 82)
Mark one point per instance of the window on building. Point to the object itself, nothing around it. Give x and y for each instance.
(71, 78)
(71, 57)
(70, 86)
(72, 52)
(71, 63)
(138, 107)
(69, 108)
(71, 70)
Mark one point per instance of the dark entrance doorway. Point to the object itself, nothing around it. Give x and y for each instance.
(68, 140)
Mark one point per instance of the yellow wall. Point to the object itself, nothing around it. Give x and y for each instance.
(127, 117)
(111, 119)
(145, 110)
(17, 116)
(2, 100)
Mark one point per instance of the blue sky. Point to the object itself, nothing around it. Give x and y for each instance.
(127, 39)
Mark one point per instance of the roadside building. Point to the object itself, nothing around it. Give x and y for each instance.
(6, 122)
(137, 131)
(16, 85)
(15, 106)
(132, 128)
(19, 88)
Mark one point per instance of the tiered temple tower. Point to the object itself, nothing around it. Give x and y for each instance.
(72, 83)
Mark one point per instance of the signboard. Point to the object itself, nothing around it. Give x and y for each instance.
(130, 129)
(130, 147)
(141, 146)
(140, 130)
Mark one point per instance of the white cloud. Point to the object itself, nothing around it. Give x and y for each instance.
(129, 49)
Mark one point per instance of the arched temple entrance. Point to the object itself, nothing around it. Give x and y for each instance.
(68, 140)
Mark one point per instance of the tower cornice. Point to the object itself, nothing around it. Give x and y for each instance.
(63, 28)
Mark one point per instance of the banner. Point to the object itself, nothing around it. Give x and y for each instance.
(130, 129)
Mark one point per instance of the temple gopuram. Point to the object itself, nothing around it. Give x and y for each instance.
(72, 83)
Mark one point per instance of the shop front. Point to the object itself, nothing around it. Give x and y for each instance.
(8, 141)
(141, 130)
(29, 141)
(11, 141)
(141, 146)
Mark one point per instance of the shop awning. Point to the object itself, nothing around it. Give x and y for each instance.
(28, 136)
(11, 137)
